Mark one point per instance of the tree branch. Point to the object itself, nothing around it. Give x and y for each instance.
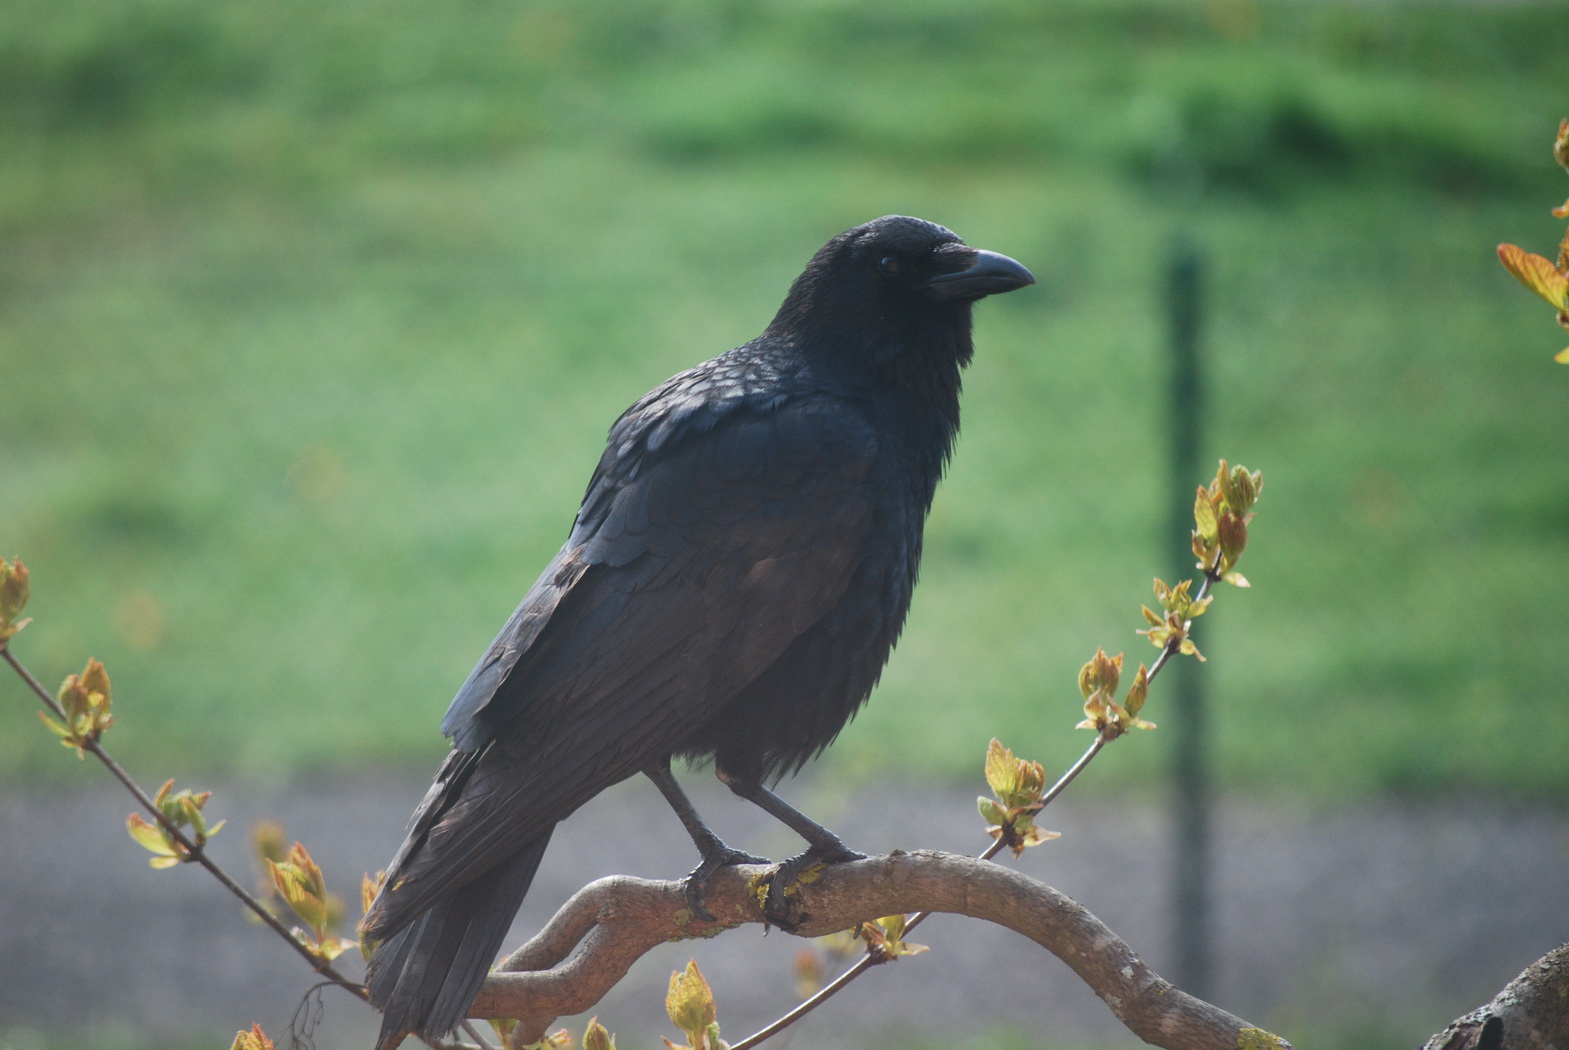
(1531, 1013)
(593, 940)
(193, 853)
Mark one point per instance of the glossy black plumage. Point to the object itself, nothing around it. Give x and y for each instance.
(736, 576)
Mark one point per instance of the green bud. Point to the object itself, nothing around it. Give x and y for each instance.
(690, 1002)
(597, 1037)
(13, 590)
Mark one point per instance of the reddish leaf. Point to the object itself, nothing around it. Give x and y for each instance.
(1537, 274)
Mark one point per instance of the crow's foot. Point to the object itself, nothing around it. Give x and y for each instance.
(717, 855)
(780, 908)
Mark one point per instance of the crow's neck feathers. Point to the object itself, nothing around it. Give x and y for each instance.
(905, 358)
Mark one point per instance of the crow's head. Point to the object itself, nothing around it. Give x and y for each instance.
(889, 281)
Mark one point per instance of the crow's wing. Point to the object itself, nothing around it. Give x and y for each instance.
(695, 562)
(672, 421)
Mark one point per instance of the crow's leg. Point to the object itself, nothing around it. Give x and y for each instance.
(823, 846)
(826, 846)
(715, 852)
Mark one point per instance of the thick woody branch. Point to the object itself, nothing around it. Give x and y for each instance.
(594, 939)
(1531, 1013)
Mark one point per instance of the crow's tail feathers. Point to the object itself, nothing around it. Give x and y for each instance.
(425, 976)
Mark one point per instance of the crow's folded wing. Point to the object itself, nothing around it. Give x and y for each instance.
(692, 566)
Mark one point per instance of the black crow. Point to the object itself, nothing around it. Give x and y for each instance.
(734, 581)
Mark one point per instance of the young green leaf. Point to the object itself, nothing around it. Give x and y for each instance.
(1001, 768)
(1204, 513)
(1537, 274)
(885, 939)
(300, 884)
(1020, 785)
(166, 853)
(991, 812)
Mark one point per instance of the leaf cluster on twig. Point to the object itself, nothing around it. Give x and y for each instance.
(1550, 280)
(177, 833)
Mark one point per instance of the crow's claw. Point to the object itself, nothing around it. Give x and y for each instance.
(696, 884)
(782, 884)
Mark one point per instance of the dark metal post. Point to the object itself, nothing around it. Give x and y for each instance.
(1190, 773)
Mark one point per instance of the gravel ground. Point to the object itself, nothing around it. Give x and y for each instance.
(1366, 925)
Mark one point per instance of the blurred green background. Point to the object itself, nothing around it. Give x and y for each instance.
(313, 316)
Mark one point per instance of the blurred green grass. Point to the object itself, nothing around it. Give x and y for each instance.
(313, 316)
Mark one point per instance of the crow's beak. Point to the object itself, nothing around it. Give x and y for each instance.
(987, 273)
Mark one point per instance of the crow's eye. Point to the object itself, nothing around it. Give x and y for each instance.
(890, 264)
